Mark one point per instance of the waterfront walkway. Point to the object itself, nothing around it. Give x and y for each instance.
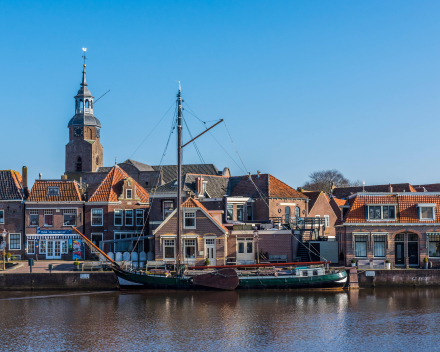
(41, 266)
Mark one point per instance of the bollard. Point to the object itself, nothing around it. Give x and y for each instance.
(50, 268)
(31, 262)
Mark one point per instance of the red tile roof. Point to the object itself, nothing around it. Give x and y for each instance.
(194, 203)
(10, 185)
(68, 191)
(111, 187)
(264, 185)
(407, 207)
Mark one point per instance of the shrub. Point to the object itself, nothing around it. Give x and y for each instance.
(353, 260)
(76, 263)
(8, 255)
(207, 262)
(387, 261)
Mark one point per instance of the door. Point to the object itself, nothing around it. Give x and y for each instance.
(211, 250)
(316, 251)
(57, 250)
(413, 253)
(245, 250)
(400, 260)
(49, 253)
(53, 250)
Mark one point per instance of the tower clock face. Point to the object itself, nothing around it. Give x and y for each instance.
(78, 132)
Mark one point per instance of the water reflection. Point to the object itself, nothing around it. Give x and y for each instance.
(239, 320)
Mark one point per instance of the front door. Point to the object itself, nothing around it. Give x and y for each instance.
(53, 250)
(413, 253)
(245, 251)
(210, 250)
(400, 259)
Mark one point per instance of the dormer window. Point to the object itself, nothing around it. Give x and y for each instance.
(129, 194)
(381, 212)
(427, 211)
(53, 191)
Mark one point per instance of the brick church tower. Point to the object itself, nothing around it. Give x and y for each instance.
(84, 151)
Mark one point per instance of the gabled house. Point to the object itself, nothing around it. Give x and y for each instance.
(403, 227)
(52, 208)
(320, 207)
(116, 215)
(11, 211)
(202, 236)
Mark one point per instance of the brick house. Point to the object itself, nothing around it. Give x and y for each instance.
(52, 208)
(400, 226)
(319, 206)
(202, 236)
(116, 215)
(11, 211)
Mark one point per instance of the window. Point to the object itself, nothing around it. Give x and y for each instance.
(69, 217)
(379, 245)
(400, 237)
(381, 212)
(240, 247)
(53, 191)
(129, 194)
(31, 246)
(210, 241)
(287, 214)
(97, 217)
(2, 216)
(190, 249)
(327, 220)
(168, 249)
(14, 241)
(434, 245)
(43, 247)
(190, 220)
(96, 239)
(118, 217)
(426, 212)
(315, 272)
(139, 217)
(239, 212)
(412, 237)
(33, 217)
(297, 212)
(48, 218)
(129, 217)
(305, 273)
(64, 249)
(168, 208)
(360, 245)
(230, 212)
(249, 212)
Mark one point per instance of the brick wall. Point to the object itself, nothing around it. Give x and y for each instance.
(322, 207)
(13, 222)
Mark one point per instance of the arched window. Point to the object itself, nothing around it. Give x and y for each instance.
(81, 104)
(87, 104)
(297, 212)
(97, 161)
(79, 164)
(287, 214)
(76, 104)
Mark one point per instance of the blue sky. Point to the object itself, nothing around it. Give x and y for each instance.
(302, 85)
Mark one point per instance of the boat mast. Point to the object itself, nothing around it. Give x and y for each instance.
(179, 176)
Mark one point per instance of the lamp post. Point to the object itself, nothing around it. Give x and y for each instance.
(258, 253)
(4, 233)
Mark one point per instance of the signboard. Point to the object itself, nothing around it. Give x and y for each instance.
(53, 232)
(370, 273)
(84, 276)
(76, 246)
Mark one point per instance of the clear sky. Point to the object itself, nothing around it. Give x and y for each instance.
(302, 85)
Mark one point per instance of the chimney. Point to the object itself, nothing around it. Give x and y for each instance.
(390, 188)
(199, 184)
(40, 175)
(24, 181)
(258, 173)
(64, 177)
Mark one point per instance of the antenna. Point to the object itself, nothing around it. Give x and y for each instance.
(84, 55)
(363, 186)
(180, 88)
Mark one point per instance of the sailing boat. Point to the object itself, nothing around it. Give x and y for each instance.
(221, 277)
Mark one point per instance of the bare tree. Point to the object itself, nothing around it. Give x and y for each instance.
(324, 180)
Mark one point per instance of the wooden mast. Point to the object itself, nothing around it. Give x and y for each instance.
(179, 178)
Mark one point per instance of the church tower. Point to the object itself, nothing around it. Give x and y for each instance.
(84, 151)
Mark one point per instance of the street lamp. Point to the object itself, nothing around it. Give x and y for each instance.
(4, 234)
(258, 253)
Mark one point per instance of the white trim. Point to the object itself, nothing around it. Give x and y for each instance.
(126, 194)
(102, 216)
(102, 203)
(289, 204)
(237, 199)
(163, 209)
(121, 217)
(132, 218)
(3, 221)
(190, 236)
(168, 236)
(327, 220)
(190, 217)
(427, 205)
(9, 242)
(422, 205)
(41, 246)
(28, 241)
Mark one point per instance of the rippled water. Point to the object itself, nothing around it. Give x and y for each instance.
(365, 320)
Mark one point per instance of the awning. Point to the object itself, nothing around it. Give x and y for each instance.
(53, 237)
(130, 239)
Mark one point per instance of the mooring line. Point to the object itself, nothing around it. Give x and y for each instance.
(51, 296)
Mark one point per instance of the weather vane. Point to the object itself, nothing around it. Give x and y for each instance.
(84, 56)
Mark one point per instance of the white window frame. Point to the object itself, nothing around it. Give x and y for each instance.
(47, 212)
(69, 212)
(426, 205)
(185, 245)
(126, 194)
(230, 207)
(34, 212)
(50, 188)
(41, 246)
(374, 236)
(132, 217)
(189, 217)
(28, 245)
(121, 217)
(64, 247)
(102, 217)
(327, 220)
(102, 240)
(367, 243)
(164, 244)
(2, 219)
(19, 242)
(140, 211)
(166, 212)
(381, 212)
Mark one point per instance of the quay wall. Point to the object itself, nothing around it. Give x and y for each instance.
(390, 278)
(101, 281)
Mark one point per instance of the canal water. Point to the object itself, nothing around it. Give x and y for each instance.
(365, 320)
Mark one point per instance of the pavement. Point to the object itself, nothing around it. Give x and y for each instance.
(41, 266)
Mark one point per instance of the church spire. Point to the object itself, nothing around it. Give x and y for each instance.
(84, 82)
